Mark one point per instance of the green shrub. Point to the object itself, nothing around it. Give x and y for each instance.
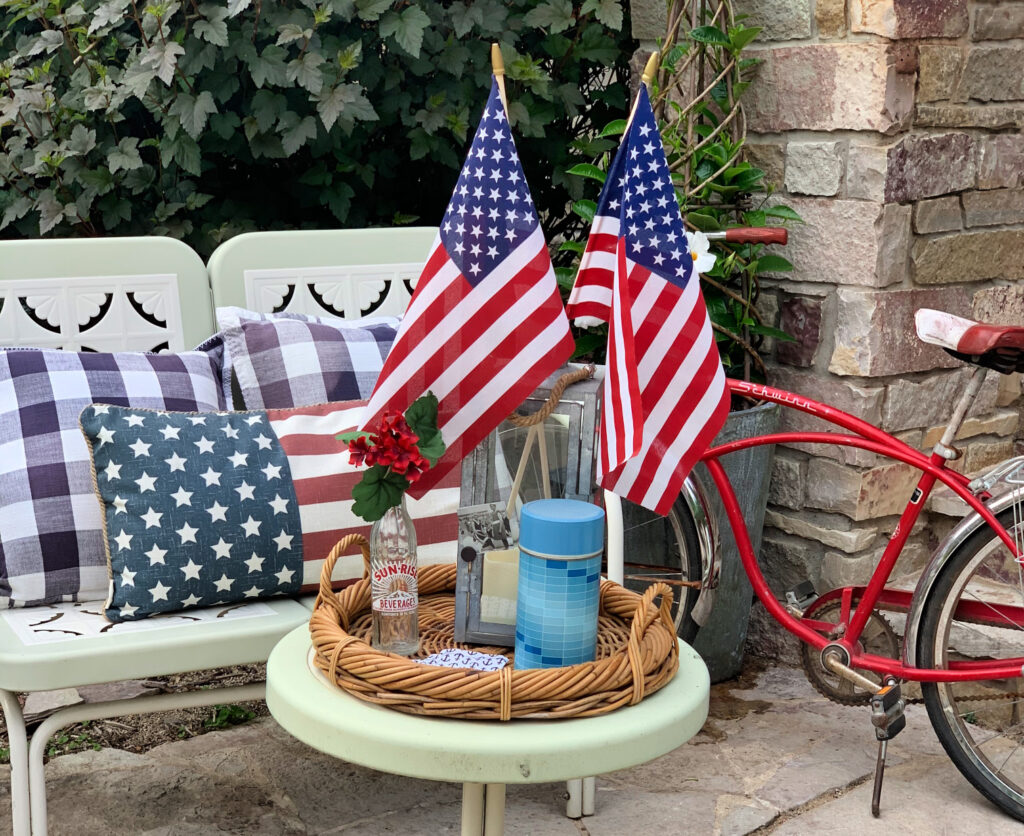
(204, 119)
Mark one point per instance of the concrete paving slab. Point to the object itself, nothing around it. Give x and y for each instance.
(774, 757)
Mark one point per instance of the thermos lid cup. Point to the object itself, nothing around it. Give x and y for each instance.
(561, 528)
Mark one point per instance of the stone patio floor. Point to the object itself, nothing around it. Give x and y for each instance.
(773, 757)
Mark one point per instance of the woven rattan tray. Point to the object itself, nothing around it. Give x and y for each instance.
(636, 654)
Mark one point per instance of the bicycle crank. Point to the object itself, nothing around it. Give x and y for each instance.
(887, 712)
(877, 638)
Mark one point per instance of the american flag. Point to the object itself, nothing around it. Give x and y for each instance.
(665, 395)
(486, 324)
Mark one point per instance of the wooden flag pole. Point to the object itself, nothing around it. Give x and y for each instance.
(645, 79)
(498, 68)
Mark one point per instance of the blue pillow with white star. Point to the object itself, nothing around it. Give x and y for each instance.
(198, 509)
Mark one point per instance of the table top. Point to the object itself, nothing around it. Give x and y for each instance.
(327, 718)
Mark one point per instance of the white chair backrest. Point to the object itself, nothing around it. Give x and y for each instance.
(103, 294)
(347, 273)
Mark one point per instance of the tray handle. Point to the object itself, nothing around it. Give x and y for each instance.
(642, 619)
(326, 595)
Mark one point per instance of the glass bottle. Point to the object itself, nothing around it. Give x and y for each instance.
(393, 583)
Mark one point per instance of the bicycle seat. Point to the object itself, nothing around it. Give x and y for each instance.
(999, 347)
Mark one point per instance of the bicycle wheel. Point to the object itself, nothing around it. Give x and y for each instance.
(980, 724)
(664, 549)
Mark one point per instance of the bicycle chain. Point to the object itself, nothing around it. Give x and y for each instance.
(813, 671)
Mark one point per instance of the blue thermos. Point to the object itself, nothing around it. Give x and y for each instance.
(560, 546)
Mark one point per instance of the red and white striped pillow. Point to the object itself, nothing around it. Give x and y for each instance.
(323, 480)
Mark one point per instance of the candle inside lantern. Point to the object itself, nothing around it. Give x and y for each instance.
(501, 580)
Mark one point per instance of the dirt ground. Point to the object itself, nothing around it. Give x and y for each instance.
(137, 733)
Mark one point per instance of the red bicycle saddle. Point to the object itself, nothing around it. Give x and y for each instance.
(999, 347)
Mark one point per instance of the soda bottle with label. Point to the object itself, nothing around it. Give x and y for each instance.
(393, 583)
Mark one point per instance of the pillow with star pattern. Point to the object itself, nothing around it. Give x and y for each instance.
(219, 507)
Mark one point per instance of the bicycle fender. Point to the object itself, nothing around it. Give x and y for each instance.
(964, 529)
(706, 525)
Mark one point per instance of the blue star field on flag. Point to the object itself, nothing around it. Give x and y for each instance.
(491, 211)
(646, 204)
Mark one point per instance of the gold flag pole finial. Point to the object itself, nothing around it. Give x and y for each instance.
(650, 69)
(645, 79)
(498, 68)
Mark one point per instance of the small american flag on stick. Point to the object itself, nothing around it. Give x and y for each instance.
(486, 324)
(665, 396)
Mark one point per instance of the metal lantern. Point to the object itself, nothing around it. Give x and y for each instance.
(554, 458)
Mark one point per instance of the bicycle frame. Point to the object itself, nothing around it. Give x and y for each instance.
(863, 600)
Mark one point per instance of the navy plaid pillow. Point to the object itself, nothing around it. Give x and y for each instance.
(51, 530)
(287, 362)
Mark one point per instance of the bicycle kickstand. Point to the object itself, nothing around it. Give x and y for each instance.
(889, 720)
(887, 706)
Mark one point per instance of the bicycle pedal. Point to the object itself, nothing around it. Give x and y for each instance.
(887, 712)
(801, 596)
(889, 719)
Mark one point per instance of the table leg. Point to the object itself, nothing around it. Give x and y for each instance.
(494, 810)
(472, 809)
(574, 798)
(589, 791)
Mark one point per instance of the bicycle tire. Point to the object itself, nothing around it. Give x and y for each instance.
(670, 546)
(980, 724)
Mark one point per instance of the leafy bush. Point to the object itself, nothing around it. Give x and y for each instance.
(203, 119)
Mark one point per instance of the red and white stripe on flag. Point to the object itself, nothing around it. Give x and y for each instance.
(664, 376)
(324, 479)
(486, 324)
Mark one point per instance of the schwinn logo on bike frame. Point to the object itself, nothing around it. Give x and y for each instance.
(780, 397)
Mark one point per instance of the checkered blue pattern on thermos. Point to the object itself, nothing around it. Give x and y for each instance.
(560, 545)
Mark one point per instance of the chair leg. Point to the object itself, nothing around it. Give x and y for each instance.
(116, 708)
(20, 804)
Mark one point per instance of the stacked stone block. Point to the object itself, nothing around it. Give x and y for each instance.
(894, 127)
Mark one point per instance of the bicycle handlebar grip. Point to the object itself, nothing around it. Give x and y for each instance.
(757, 235)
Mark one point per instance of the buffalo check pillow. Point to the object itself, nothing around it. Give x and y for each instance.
(209, 508)
(292, 360)
(51, 532)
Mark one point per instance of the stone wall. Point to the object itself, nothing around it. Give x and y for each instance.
(894, 129)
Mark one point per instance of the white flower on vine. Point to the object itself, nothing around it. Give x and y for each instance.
(700, 251)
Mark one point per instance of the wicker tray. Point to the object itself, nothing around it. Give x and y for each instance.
(636, 654)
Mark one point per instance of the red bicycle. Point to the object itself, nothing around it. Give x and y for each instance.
(959, 631)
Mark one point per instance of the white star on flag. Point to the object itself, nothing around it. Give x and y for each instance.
(159, 592)
(140, 448)
(152, 518)
(134, 420)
